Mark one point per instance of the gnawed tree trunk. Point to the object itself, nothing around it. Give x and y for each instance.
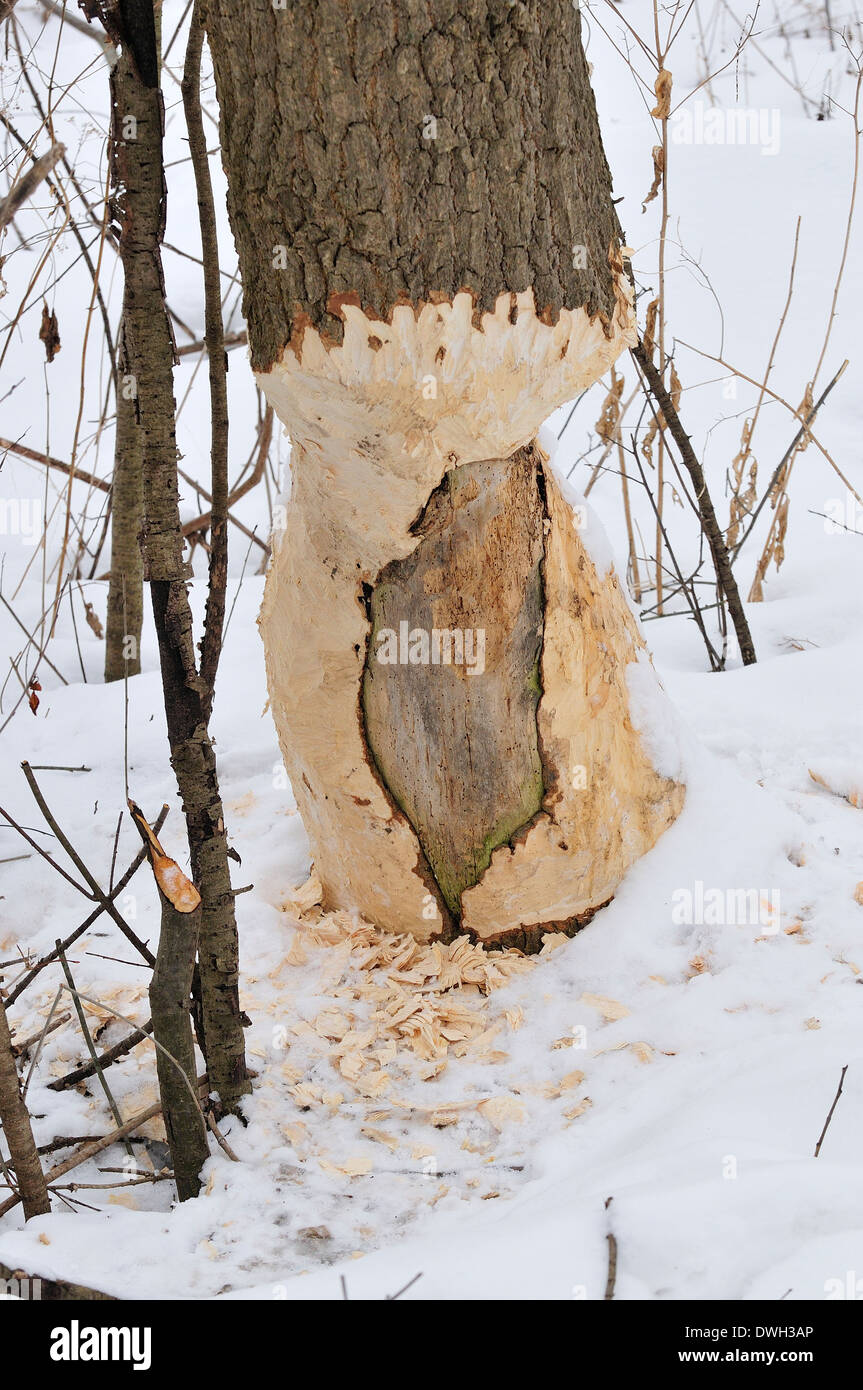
(431, 263)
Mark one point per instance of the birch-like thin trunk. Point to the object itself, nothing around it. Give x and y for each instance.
(126, 585)
(137, 127)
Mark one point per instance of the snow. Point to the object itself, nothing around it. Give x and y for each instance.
(711, 1052)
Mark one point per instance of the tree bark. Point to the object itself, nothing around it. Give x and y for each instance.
(139, 174)
(431, 264)
(126, 585)
(217, 363)
(29, 1178)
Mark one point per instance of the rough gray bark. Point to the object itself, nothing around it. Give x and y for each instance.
(400, 152)
(126, 587)
(29, 1178)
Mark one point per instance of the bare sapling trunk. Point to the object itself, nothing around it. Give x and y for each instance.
(432, 264)
(29, 1178)
(170, 999)
(137, 127)
(126, 585)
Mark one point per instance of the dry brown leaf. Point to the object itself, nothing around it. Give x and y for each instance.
(662, 91)
(93, 620)
(49, 333)
(658, 172)
(648, 338)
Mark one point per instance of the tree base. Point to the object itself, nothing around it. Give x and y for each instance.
(507, 801)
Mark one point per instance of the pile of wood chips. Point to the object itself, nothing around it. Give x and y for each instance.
(400, 1001)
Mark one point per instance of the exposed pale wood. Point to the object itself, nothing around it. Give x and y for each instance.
(369, 450)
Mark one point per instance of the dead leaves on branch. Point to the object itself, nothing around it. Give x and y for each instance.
(648, 337)
(658, 175)
(774, 546)
(660, 112)
(658, 421)
(609, 418)
(49, 333)
(743, 498)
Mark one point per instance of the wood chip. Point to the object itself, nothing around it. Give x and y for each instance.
(610, 1009)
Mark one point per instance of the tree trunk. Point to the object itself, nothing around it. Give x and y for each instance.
(431, 264)
(138, 115)
(126, 586)
(29, 1178)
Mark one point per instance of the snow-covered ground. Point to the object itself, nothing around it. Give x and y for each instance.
(467, 1117)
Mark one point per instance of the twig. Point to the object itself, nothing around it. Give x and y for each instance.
(830, 1113)
(612, 1257)
(45, 855)
(99, 895)
(57, 767)
(106, 1058)
(710, 525)
(79, 931)
(713, 655)
(231, 340)
(50, 664)
(40, 1042)
(28, 183)
(789, 453)
(612, 1266)
(49, 462)
(241, 526)
(391, 1297)
(735, 371)
(220, 1138)
(91, 1046)
(97, 1147)
(18, 1049)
